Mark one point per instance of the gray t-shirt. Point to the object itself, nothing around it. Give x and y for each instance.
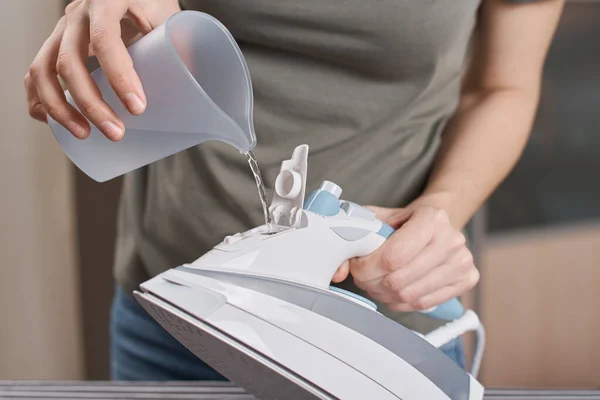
(368, 85)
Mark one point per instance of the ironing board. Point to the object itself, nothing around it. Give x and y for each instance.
(101, 390)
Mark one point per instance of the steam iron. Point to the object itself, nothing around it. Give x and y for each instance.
(260, 310)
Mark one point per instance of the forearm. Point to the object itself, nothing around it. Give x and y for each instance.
(480, 146)
(486, 136)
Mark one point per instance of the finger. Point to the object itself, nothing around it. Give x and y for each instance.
(439, 296)
(38, 112)
(401, 307)
(456, 274)
(341, 273)
(418, 268)
(442, 249)
(365, 270)
(443, 276)
(34, 105)
(385, 298)
(371, 286)
(71, 67)
(388, 289)
(50, 94)
(112, 55)
(398, 251)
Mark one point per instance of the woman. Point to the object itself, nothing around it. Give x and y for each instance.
(418, 107)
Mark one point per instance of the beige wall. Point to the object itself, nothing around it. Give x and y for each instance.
(39, 305)
(540, 299)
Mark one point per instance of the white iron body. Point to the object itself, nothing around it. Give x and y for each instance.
(260, 310)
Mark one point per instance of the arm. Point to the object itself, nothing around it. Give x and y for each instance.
(486, 136)
(426, 261)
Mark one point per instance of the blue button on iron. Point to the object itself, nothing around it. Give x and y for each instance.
(324, 201)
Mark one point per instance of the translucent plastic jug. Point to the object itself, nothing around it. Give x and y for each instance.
(197, 87)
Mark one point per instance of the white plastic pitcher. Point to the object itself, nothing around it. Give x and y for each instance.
(197, 87)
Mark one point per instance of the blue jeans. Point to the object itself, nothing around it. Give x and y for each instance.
(142, 350)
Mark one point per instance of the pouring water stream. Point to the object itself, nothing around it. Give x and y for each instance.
(261, 189)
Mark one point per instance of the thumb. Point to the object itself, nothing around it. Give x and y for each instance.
(159, 11)
(395, 217)
(142, 18)
(147, 15)
(342, 272)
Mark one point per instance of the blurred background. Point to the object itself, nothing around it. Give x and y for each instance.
(537, 241)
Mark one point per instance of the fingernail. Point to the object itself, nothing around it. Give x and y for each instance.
(76, 129)
(112, 129)
(134, 103)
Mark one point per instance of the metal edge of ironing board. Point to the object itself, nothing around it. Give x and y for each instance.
(183, 390)
(254, 360)
(430, 362)
(546, 392)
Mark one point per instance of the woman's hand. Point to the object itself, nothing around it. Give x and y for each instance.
(424, 263)
(101, 28)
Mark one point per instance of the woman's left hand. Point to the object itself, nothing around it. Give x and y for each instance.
(423, 264)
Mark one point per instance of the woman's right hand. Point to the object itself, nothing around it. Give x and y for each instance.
(101, 28)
